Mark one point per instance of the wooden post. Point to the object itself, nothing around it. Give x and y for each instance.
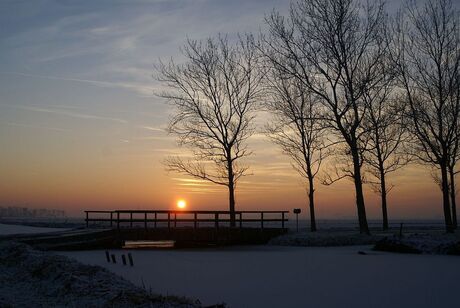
(241, 220)
(130, 258)
(169, 221)
(123, 259)
(145, 220)
(114, 260)
(155, 223)
(111, 219)
(175, 220)
(118, 220)
(107, 256)
(401, 230)
(282, 220)
(131, 220)
(216, 220)
(195, 220)
(87, 222)
(262, 220)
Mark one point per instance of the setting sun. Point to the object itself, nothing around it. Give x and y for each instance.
(181, 204)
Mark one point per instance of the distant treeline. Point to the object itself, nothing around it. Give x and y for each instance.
(12, 211)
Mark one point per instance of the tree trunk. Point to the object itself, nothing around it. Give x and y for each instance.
(231, 203)
(231, 189)
(311, 201)
(363, 227)
(445, 198)
(452, 197)
(383, 193)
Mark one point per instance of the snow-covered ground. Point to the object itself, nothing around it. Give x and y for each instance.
(6, 229)
(275, 276)
(31, 278)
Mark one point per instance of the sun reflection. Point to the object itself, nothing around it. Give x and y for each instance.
(181, 204)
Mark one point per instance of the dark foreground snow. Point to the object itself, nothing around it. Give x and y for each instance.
(285, 277)
(31, 278)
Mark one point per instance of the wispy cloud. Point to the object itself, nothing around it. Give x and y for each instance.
(70, 114)
(154, 129)
(57, 129)
(145, 91)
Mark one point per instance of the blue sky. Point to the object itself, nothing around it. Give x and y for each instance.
(80, 126)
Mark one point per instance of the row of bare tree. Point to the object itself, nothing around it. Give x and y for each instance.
(342, 79)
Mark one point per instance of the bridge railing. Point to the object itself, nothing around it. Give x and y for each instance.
(196, 219)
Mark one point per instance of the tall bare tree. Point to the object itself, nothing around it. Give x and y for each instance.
(334, 47)
(427, 53)
(214, 94)
(455, 157)
(296, 127)
(386, 135)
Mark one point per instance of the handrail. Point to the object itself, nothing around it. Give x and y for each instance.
(183, 212)
(173, 217)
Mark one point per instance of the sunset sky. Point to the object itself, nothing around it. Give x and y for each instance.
(80, 127)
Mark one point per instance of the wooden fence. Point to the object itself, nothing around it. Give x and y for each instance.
(174, 219)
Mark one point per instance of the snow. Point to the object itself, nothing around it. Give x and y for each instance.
(6, 229)
(328, 237)
(276, 276)
(32, 278)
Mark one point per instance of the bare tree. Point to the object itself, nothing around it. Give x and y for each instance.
(455, 157)
(214, 93)
(427, 53)
(386, 136)
(296, 128)
(334, 47)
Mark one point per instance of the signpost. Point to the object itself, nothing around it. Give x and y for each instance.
(297, 212)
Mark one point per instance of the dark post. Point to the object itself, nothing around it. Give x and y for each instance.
(111, 219)
(216, 220)
(86, 219)
(107, 255)
(114, 260)
(169, 220)
(297, 212)
(118, 220)
(194, 220)
(130, 258)
(155, 224)
(241, 220)
(145, 220)
(175, 220)
(400, 230)
(282, 220)
(123, 258)
(262, 220)
(131, 220)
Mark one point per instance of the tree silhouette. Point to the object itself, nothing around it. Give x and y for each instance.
(427, 53)
(296, 128)
(334, 47)
(386, 135)
(214, 94)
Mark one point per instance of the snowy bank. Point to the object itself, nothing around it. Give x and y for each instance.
(33, 278)
(428, 243)
(326, 238)
(10, 229)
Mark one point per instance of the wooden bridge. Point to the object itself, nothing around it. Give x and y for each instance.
(190, 228)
